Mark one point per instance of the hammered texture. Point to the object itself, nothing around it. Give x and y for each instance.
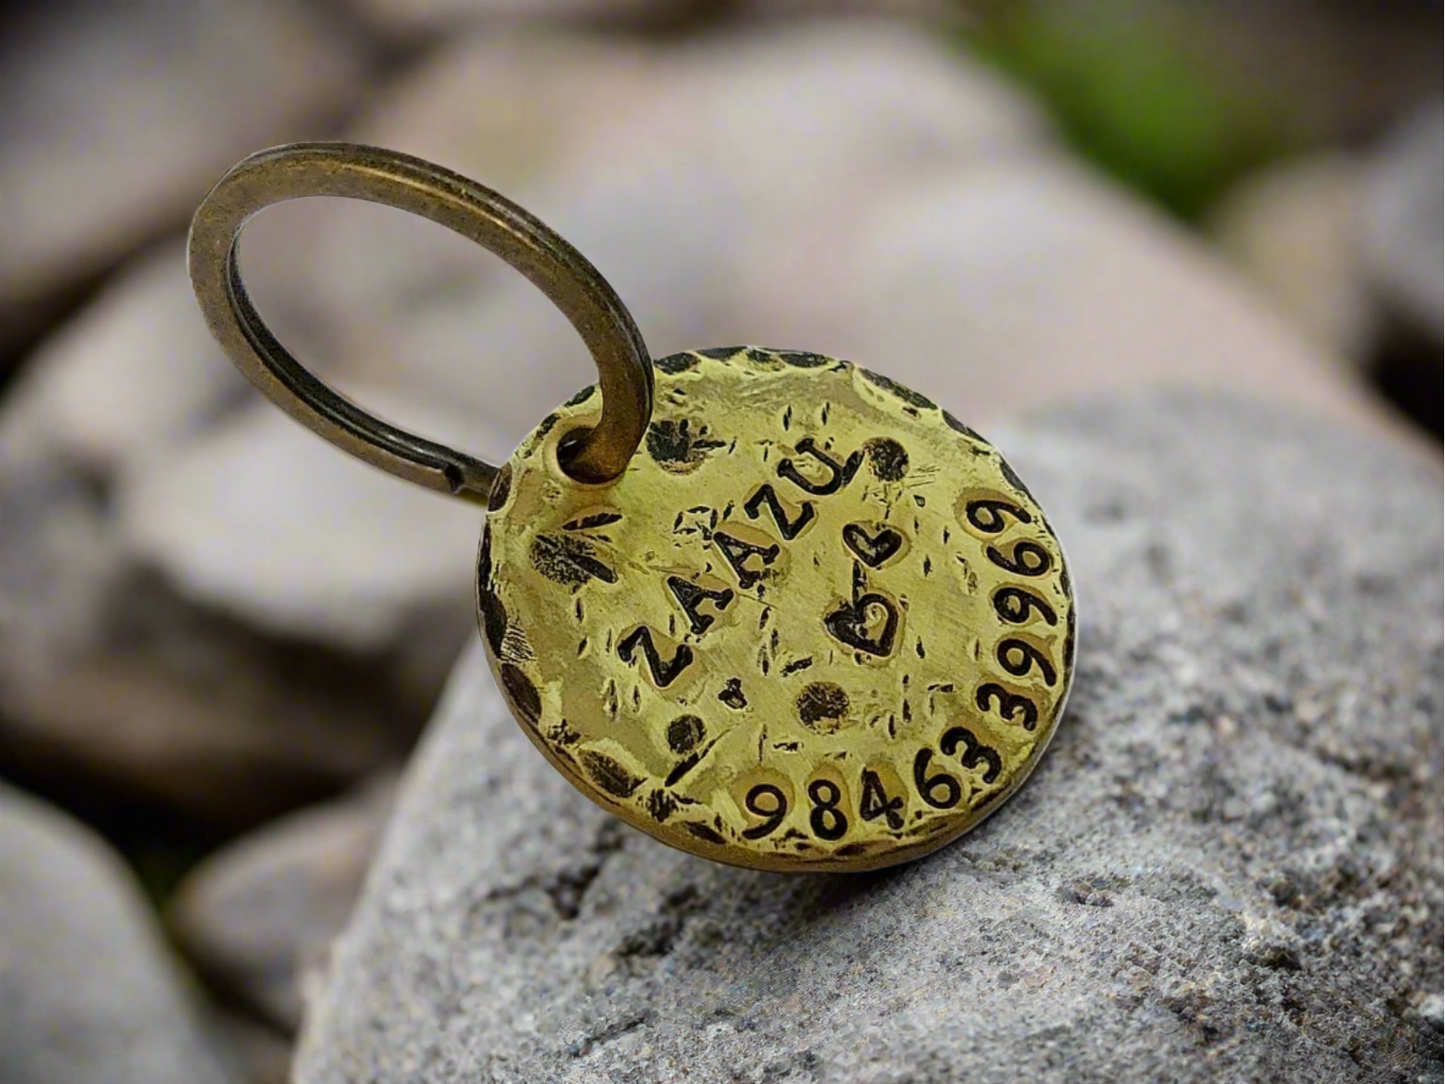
(817, 624)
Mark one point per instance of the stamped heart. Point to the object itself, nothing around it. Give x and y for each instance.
(869, 624)
(872, 550)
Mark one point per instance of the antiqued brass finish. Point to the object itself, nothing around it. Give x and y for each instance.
(818, 624)
(475, 212)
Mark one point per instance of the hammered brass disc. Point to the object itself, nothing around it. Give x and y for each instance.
(818, 624)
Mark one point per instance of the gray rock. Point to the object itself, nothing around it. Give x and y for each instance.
(1293, 228)
(116, 118)
(686, 209)
(1400, 241)
(263, 1052)
(110, 679)
(88, 993)
(1029, 280)
(107, 672)
(1227, 867)
(1349, 246)
(109, 676)
(255, 915)
(129, 376)
(303, 540)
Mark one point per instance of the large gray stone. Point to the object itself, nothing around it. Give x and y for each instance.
(1348, 245)
(88, 991)
(257, 914)
(303, 540)
(1227, 867)
(110, 675)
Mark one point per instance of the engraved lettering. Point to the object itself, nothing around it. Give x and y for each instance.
(929, 785)
(766, 495)
(872, 549)
(827, 782)
(663, 673)
(875, 802)
(826, 819)
(736, 552)
(987, 515)
(768, 802)
(974, 753)
(1009, 705)
(1013, 604)
(839, 474)
(1018, 657)
(1029, 559)
(691, 596)
(869, 624)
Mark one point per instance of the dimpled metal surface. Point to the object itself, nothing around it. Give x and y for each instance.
(817, 624)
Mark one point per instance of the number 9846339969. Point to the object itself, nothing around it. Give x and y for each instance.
(818, 624)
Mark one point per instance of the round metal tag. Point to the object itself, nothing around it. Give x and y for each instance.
(817, 624)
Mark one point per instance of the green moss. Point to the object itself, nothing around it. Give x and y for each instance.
(1138, 94)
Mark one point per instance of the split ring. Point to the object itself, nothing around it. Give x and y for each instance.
(566, 277)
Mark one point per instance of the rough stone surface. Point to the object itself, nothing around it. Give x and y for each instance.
(131, 375)
(1228, 866)
(1033, 281)
(685, 207)
(1349, 245)
(255, 915)
(88, 993)
(560, 88)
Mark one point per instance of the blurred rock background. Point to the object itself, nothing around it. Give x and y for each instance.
(219, 637)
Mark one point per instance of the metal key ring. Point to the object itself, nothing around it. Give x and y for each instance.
(501, 227)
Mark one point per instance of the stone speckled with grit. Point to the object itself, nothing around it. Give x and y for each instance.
(1227, 867)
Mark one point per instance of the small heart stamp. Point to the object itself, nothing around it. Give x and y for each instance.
(874, 549)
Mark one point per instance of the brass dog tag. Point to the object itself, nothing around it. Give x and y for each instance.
(817, 623)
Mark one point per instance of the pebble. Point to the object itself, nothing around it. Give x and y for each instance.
(89, 991)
